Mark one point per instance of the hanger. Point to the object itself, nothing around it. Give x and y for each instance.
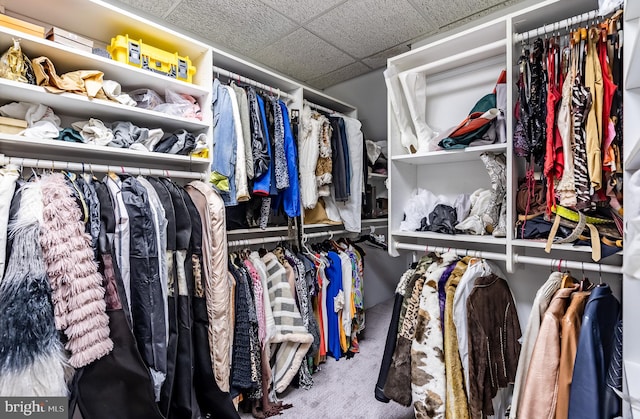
(568, 281)
(585, 284)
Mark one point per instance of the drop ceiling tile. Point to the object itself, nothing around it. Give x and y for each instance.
(302, 10)
(339, 75)
(380, 59)
(242, 27)
(153, 7)
(365, 27)
(447, 12)
(302, 55)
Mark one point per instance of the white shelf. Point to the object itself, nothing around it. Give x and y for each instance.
(82, 107)
(450, 156)
(67, 59)
(460, 43)
(467, 238)
(23, 147)
(471, 56)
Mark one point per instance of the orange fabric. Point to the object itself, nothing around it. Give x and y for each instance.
(571, 322)
(343, 336)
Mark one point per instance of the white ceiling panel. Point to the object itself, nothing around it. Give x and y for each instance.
(244, 26)
(445, 12)
(155, 7)
(303, 55)
(322, 42)
(302, 10)
(364, 27)
(380, 59)
(339, 75)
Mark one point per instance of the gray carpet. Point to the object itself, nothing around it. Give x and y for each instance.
(345, 388)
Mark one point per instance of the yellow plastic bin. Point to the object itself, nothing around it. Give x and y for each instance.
(138, 54)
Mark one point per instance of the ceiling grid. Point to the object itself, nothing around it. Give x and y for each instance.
(321, 43)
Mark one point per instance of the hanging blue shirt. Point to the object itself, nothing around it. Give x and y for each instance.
(290, 195)
(334, 275)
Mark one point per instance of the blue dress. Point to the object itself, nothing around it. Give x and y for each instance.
(334, 275)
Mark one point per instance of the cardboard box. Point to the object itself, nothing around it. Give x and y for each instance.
(12, 125)
(70, 39)
(22, 26)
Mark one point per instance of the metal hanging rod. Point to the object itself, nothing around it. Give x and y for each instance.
(568, 264)
(235, 76)
(321, 108)
(262, 240)
(460, 252)
(557, 26)
(329, 233)
(101, 168)
(527, 260)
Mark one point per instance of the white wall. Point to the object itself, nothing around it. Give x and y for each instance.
(369, 94)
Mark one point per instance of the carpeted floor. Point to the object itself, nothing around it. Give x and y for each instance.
(345, 389)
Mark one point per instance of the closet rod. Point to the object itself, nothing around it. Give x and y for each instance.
(329, 233)
(235, 76)
(263, 240)
(101, 168)
(567, 264)
(460, 252)
(557, 26)
(321, 108)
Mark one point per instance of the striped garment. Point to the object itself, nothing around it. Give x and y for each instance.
(581, 103)
(291, 340)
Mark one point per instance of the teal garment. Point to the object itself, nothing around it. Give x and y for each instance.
(458, 141)
(70, 135)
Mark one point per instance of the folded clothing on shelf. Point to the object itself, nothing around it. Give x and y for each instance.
(173, 103)
(42, 123)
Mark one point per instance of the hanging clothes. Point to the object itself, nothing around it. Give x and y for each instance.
(456, 403)
(291, 193)
(77, 291)
(31, 363)
(570, 332)
(542, 377)
(8, 177)
(309, 152)
(428, 379)
(494, 330)
(224, 144)
(539, 307)
(398, 384)
(217, 289)
(133, 397)
(290, 332)
(595, 347)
